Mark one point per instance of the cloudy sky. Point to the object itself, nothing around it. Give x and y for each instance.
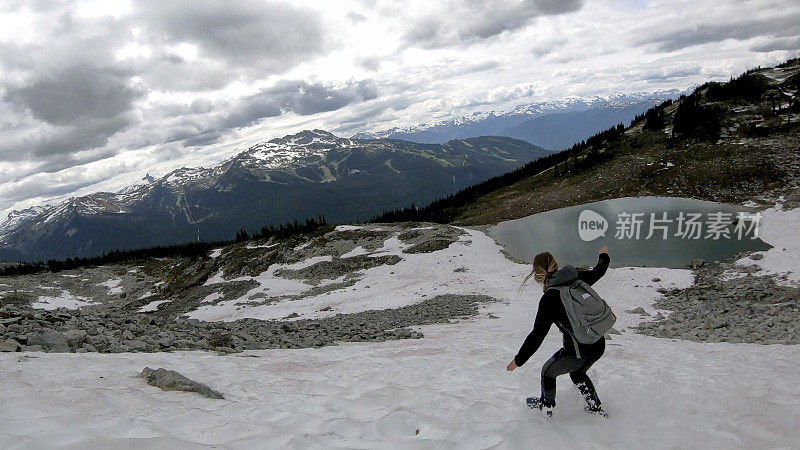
(94, 94)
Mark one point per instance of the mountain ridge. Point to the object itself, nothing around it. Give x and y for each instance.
(501, 123)
(296, 176)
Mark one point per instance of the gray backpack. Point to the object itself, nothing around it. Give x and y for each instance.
(589, 315)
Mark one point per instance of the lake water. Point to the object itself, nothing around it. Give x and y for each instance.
(640, 231)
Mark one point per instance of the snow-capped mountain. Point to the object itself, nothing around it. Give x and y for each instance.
(554, 125)
(17, 217)
(294, 177)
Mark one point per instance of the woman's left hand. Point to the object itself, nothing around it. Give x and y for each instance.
(511, 366)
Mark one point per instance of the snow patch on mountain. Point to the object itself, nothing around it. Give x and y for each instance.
(273, 154)
(562, 105)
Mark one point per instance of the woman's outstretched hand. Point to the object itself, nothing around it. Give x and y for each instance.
(511, 366)
(602, 250)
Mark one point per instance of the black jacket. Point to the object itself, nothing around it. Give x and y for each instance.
(551, 311)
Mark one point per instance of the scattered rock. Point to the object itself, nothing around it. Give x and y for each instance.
(656, 280)
(753, 309)
(170, 380)
(50, 341)
(751, 269)
(10, 345)
(639, 311)
(429, 246)
(757, 256)
(89, 347)
(697, 263)
(75, 338)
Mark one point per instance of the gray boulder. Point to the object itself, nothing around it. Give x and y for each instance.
(75, 338)
(753, 268)
(639, 311)
(697, 263)
(50, 341)
(170, 380)
(89, 347)
(9, 345)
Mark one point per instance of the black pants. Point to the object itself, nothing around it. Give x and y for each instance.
(563, 362)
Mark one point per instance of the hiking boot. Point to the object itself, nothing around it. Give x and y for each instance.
(592, 402)
(593, 408)
(536, 403)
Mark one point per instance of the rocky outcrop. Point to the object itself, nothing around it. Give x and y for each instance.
(170, 380)
(729, 303)
(119, 331)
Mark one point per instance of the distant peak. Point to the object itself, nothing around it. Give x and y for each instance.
(149, 178)
(306, 136)
(312, 133)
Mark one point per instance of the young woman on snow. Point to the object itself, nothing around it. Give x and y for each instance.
(566, 360)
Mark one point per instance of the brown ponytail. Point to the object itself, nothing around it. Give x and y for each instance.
(543, 263)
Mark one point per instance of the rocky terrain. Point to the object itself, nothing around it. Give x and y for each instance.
(145, 306)
(729, 302)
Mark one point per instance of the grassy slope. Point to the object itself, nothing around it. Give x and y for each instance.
(739, 167)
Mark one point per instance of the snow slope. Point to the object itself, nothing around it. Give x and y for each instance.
(447, 390)
(779, 228)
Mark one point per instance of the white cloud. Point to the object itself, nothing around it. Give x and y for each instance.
(93, 94)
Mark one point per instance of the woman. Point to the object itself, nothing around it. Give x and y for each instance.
(567, 359)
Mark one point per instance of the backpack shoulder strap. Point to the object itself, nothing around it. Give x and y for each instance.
(565, 296)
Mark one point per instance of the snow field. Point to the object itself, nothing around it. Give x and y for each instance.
(449, 389)
(412, 280)
(779, 228)
(64, 300)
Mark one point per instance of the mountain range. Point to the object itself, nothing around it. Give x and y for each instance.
(294, 177)
(552, 125)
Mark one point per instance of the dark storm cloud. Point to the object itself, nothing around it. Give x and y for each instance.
(466, 22)
(300, 98)
(80, 136)
(82, 106)
(245, 33)
(786, 25)
(74, 95)
(792, 43)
